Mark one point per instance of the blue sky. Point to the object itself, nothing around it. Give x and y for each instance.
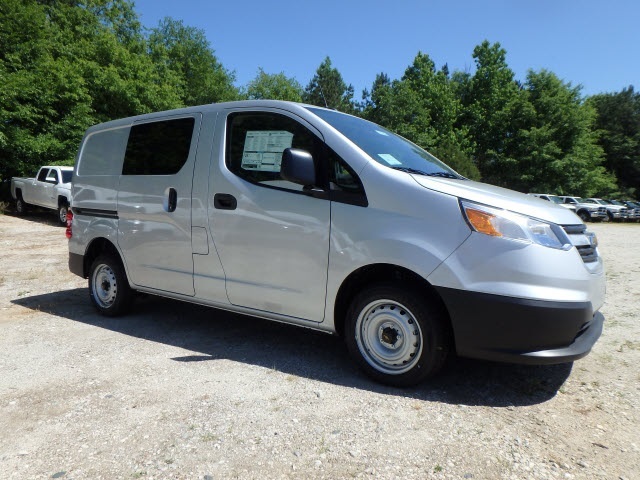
(592, 43)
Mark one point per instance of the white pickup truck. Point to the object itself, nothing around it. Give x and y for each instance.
(51, 188)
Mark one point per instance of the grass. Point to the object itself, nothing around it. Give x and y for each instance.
(627, 345)
(209, 437)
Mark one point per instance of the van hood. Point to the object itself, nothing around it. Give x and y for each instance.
(500, 198)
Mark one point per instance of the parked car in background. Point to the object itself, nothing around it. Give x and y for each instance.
(587, 211)
(614, 212)
(554, 199)
(634, 208)
(50, 188)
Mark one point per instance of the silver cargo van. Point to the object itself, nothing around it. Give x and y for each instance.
(308, 216)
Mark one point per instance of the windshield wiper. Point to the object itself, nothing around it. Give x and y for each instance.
(410, 170)
(444, 175)
(427, 174)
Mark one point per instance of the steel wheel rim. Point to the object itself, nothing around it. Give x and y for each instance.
(104, 286)
(389, 337)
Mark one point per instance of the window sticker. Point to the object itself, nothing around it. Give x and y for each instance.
(263, 149)
(390, 159)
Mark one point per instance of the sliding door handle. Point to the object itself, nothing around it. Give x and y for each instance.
(172, 200)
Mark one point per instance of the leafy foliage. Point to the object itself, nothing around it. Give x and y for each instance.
(186, 54)
(67, 65)
(328, 89)
(274, 87)
(618, 125)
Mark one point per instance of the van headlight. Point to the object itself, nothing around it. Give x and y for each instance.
(502, 223)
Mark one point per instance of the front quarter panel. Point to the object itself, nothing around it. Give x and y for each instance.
(404, 225)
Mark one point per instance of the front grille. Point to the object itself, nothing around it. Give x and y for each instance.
(602, 210)
(582, 240)
(588, 254)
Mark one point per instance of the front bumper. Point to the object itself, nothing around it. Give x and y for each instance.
(518, 330)
(597, 214)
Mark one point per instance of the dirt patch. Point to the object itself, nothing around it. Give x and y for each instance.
(180, 391)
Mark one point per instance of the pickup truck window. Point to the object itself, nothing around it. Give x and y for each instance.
(255, 142)
(67, 176)
(158, 148)
(42, 176)
(53, 175)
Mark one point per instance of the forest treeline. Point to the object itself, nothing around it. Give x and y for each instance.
(69, 64)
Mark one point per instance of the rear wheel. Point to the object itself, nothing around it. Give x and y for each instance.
(63, 208)
(21, 207)
(398, 336)
(109, 288)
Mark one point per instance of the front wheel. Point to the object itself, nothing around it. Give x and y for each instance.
(63, 208)
(109, 288)
(398, 336)
(584, 216)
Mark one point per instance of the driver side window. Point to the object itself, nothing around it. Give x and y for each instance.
(255, 142)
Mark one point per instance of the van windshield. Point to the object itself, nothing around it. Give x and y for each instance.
(384, 146)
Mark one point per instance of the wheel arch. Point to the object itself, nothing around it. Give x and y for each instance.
(378, 273)
(99, 245)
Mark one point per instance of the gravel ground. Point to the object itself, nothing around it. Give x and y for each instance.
(180, 391)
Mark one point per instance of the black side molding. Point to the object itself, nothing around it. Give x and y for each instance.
(94, 212)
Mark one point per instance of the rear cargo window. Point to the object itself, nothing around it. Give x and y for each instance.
(158, 148)
(102, 153)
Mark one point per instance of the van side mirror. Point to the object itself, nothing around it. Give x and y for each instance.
(298, 167)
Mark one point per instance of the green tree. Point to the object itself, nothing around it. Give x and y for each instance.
(424, 108)
(65, 66)
(488, 98)
(554, 142)
(274, 87)
(186, 52)
(618, 125)
(328, 89)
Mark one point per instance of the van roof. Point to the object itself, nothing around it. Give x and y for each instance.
(291, 106)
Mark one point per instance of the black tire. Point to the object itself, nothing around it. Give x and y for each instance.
(379, 322)
(610, 215)
(584, 216)
(21, 206)
(109, 288)
(63, 208)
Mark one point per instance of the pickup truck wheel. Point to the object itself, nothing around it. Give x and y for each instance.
(396, 335)
(584, 216)
(21, 207)
(63, 208)
(109, 288)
